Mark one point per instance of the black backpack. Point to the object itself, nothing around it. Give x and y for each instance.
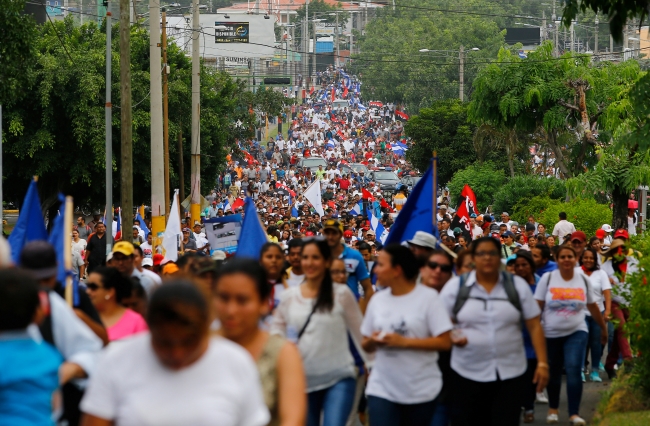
(508, 286)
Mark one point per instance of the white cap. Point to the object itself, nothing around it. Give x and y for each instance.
(147, 261)
(606, 228)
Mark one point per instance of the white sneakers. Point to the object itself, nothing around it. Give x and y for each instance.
(552, 419)
(541, 398)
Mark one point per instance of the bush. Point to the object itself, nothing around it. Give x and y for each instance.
(521, 189)
(638, 325)
(484, 179)
(585, 213)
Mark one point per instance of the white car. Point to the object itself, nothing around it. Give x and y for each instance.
(175, 5)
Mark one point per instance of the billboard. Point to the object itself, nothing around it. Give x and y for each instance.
(235, 32)
(526, 36)
(223, 232)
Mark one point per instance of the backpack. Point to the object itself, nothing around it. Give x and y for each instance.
(508, 286)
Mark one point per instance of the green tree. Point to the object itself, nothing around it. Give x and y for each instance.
(565, 98)
(18, 35)
(57, 130)
(625, 164)
(618, 12)
(484, 179)
(443, 127)
(520, 189)
(394, 69)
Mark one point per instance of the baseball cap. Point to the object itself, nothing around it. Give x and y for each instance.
(579, 235)
(348, 234)
(39, 258)
(457, 231)
(147, 261)
(606, 228)
(157, 259)
(621, 233)
(123, 247)
(600, 234)
(186, 229)
(370, 232)
(170, 268)
(423, 239)
(333, 224)
(508, 234)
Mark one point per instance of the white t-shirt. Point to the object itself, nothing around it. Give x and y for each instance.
(563, 228)
(565, 303)
(131, 387)
(295, 280)
(406, 376)
(79, 246)
(599, 283)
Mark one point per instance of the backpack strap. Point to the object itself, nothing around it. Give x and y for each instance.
(511, 291)
(461, 297)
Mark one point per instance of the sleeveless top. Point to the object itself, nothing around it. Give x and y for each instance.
(267, 367)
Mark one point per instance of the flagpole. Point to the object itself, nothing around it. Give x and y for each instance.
(67, 252)
(434, 184)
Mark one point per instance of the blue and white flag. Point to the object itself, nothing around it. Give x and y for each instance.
(57, 239)
(143, 224)
(380, 232)
(361, 107)
(357, 208)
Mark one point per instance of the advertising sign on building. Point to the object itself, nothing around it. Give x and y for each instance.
(235, 32)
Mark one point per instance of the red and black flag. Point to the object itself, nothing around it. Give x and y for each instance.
(466, 207)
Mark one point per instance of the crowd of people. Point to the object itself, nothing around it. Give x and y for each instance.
(318, 332)
(328, 325)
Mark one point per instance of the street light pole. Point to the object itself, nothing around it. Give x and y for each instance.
(195, 165)
(108, 115)
(337, 41)
(156, 111)
(461, 58)
(165, 95)
(126, 154)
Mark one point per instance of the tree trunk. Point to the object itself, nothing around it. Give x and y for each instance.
(619, 216)
(510, 144)
(559, 157)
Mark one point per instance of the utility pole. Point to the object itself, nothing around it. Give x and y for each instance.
(596, 37)
(156, 112)
(165, 95)
(571, 29)
(543, 25)
(305, 50)
(126, 155)
(338, 60)
(461, 54)
(1, 212)
(108, 114)
(314, 48)
(181, 168)
(195, 163)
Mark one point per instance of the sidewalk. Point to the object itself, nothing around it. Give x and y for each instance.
(591, 395)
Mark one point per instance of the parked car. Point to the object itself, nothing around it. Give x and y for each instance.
(387, 180)
(312, 163)
(409, 182)
(354, 167)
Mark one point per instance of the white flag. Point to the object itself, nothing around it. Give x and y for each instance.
(313, 195)
(172, 231)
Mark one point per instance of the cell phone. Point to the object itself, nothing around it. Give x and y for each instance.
(381, 335)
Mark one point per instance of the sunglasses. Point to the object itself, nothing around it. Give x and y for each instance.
(93, 286)
(443, 268)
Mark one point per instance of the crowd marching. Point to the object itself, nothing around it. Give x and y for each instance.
(331, 323)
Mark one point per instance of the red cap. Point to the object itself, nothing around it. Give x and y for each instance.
(157, 259)
(622, 233)
(309, 234)
(600, 234)
(347, 234)
(579, 235)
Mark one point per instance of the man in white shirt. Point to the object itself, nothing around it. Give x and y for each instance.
(563, 228)
(505, 219)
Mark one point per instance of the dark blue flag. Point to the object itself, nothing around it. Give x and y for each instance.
(252, 236)
(30, 225)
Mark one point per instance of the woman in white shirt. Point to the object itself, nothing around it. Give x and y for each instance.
(176, 374)
(406, 325)
(602, 292)
(318, 315)
(563, 295)
(488, 359)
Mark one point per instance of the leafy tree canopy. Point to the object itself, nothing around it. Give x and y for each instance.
(485, 180)
(56, 131)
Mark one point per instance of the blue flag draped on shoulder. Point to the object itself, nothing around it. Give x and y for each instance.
(57, 239)
(252, 236)
(417, 213)
(30, 225)
(143, 224)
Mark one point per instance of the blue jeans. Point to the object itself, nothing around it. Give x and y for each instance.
(383, 412)
(442, 416)
(593, 345)
(567, 352)
(334, 403)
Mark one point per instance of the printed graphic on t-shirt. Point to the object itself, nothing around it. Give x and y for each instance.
(567, 302)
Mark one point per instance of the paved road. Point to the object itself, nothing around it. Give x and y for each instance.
(591, 395)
